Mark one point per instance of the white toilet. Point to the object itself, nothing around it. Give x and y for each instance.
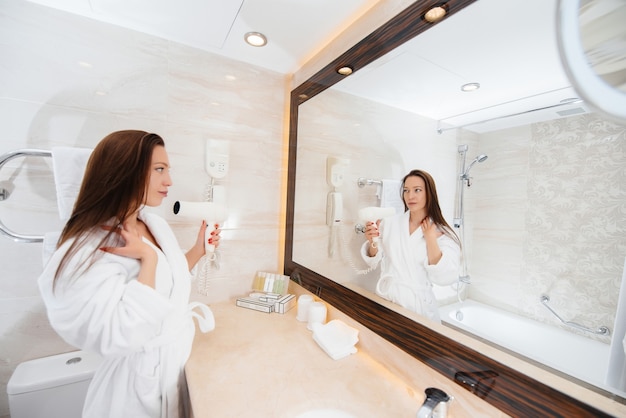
(52, 387)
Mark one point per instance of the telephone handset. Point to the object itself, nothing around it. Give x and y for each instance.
(334, 208)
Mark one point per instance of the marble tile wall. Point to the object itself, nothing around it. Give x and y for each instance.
(66, 80)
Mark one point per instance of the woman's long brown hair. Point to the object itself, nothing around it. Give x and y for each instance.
(113, 188)
(432, 203)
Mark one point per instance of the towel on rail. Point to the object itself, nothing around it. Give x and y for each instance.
(389, 194)
(68, 165)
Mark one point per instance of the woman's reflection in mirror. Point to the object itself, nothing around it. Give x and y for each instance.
(415, 249)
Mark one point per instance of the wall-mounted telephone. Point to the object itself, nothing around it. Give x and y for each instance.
(216, 160)
(336, 169)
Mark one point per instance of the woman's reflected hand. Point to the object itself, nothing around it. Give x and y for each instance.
(371, 230)
(429, 229)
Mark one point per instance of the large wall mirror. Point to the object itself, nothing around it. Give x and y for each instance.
(539, 174)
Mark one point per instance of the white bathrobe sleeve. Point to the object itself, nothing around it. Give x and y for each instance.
(104, 309)
(370, 261)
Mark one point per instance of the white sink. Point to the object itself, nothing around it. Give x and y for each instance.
(325, 413)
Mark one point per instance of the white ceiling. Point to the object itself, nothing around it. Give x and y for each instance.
(509, 47)
(295, 29)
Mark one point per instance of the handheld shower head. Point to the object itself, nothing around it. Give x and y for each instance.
(479, 159)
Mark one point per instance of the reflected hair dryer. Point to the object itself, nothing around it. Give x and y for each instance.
(374, 213)
(210, 212)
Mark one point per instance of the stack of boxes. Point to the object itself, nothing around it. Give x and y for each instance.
(269, 294)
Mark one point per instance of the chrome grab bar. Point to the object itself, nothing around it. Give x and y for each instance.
(599, 331)
(26, 152)
(362, 182)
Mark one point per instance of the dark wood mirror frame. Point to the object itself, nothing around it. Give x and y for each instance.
(510, 391)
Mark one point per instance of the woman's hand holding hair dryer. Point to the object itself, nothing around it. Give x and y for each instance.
(372, 234)
(203, 241)
(371, 228)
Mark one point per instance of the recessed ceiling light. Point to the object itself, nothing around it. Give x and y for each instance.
(436, 13)
(345, 70)
(255, 39)
(470, 86)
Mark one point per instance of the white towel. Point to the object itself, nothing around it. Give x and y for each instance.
(336, 338)
(390, 195)
(68, 165)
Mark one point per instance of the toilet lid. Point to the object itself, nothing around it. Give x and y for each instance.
(57, 370)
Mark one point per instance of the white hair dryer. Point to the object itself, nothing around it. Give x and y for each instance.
(210, 212)
(374, 213)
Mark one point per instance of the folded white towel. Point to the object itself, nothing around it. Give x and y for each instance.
(68, 165)
(336, 338)
(390, 196)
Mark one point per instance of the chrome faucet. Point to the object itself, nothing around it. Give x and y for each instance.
(435, 405)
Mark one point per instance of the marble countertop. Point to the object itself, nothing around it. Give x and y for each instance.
(256, 364)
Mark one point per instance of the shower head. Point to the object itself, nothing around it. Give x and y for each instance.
(479, 159)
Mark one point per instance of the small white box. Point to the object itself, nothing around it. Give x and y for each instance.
(255, 304)
(285, 303)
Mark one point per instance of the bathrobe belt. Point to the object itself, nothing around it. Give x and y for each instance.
(175, 325)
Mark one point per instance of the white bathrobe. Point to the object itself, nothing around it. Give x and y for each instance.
(406, 278)
(144, 334)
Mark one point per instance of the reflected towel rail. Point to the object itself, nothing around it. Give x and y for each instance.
(362, 182)
(599, 331)
(4, 194)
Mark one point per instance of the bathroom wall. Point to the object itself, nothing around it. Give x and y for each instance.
(66, 80)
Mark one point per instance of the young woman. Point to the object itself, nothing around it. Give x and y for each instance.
(118, 283)
(415, 249)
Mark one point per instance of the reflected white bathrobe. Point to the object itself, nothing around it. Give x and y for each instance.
(144, 334)
(406, 278)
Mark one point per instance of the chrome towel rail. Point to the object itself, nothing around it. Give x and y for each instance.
(362, 182)
(4, 194)
(599, 331)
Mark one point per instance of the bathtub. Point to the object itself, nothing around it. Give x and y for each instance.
(577, 356)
